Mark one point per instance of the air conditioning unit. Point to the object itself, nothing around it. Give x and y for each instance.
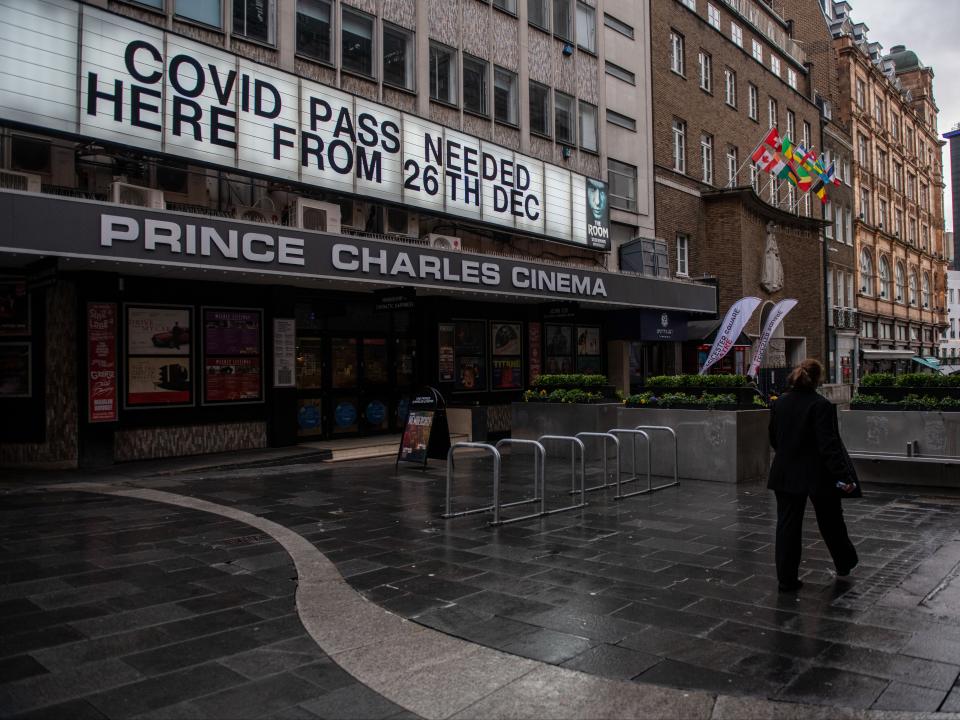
(254, 214)
(444, 242)
(315, 215)
(126, 194)
(28, 182)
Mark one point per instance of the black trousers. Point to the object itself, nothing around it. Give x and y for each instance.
(790, 510)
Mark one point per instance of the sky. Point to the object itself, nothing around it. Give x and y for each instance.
(931, 29)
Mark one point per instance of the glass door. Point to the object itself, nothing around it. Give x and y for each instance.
(405, 356)
(309, 387)
(344, 386)
(376, 384)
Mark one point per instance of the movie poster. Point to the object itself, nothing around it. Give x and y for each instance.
(235, 379)
(416, 436)
(14, 306)
(158, 381)
(231, 332)
(470, 375)
(559, 340)
(102, 362)
(506, 338)
(588, 341)
(447, 365)
(15, 370)
(158, 330)
(534, 352)
(232, 355)
(506, 374)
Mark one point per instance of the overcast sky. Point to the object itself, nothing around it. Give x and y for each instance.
(931, 29)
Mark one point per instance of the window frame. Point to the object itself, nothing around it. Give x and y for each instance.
(866, 273)
(683, 254)
(679, 128)
(621, 120)
(331, 10)
(713, 17)
(733, 165)
(454, 74)
(271, 40)
(736, 34)
(706, 158)
(631, 204)
(753, 102)
(344, 11)
(678, 63)
(730, 87)
(573, 116)
(547, 9)
(571, 29)
(705, 71)
(549, 109)
(410, 61)
(596, 130)
(484, 111)
(180, 15)
(592, 12)
(618, 25)
(516, 96)
(619, 72)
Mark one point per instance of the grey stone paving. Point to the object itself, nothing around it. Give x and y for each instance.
(105, 598)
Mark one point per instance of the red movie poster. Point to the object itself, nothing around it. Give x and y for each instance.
(534, 360)
(102, 362)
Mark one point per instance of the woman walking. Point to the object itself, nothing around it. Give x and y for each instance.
(810, 461)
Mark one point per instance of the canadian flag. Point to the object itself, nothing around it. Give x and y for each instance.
(765, 158)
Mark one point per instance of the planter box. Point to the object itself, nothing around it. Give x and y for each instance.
(608, 391)
(532, 419)
(721, 445)
(888, 431)
(895, 394)
(744, 395)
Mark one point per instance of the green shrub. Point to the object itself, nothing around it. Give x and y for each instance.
(667, 382)
(949, 403)
(878, 380)
(759, 401)
(920, 380)
(868, 399)
(575, 380)
(919, 402)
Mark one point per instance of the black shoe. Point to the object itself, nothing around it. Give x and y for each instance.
(790, 587)
(844, 571)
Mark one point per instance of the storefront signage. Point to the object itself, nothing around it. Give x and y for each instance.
(102, 393)
(105, 76)
(663, 326)
(67, 227)
(394, 299)
(284, 352)
(426, 433)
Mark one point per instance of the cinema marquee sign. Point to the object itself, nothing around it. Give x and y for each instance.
(81, 70)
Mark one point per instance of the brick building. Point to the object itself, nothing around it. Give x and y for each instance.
(724, 72)
(898, 185)
(236, 223)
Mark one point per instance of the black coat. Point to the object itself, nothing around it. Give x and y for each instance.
(810, 458)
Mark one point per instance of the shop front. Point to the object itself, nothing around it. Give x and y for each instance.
(156, 333)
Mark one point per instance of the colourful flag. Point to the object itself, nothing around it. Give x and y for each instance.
(820, 190)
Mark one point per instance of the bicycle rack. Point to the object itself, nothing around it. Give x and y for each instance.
(539, 463)
(575, 442)
(676, 453)
(635, 433)
(616, 447)
(496, 478)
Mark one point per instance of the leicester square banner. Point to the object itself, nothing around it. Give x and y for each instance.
(775, 318)
(730, 329)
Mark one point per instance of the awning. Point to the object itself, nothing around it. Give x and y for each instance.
(929, 362)
(875, 354)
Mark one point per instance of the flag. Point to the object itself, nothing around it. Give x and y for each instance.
(773, 320)
(820, 190)
(731, 327)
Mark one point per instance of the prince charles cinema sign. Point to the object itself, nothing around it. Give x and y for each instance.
(78, 69)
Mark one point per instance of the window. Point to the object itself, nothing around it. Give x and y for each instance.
(897, 176)
(588, 126)
(925, 237)
(314, 29)
(713, 16)
(618, 25)
(791, 124)
(730, 87)
(509, 6)
(732, 166)
(865, 204)
(622, 182)
(898, 223)
(706, 71)
(884, 278)
(806, 134)
(772, 112)
(398, 56)
(861, 93)
(913, 287)
(828, 229)
(538, 13)
(901, 278)
(539, 109)
(775, 64)
(443, 73)
(846, 172)
(692, 4)
(882, 165)
(775, 191)
(925, 288)
(754, 177)
(475, 85)
(676, 53)
(356, 38)
(505, 96)
(882, 213)
(863, 151)
(757, 51)
(878, 111)
(586, 27)
(753, 109)
(838, 222)
(204, 11)
(849, 226)
(562, 19)
(792, 82)
(830, 297)
(895, 127)
(886, 331)
(680, 146)
(620, 73)
(255, 20)
(912, 231)
(623, 121)
(791, 197)
(736, 34)
(706, 158)
(866, 272)
(564, 118)
(683, 247)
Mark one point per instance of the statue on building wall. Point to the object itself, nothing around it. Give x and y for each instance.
(772, 278)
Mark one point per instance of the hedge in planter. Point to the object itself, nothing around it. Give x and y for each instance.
(894, 388)
(736, 385)
(574, 395)
(704, 401)
(593, 388)
(911, 401)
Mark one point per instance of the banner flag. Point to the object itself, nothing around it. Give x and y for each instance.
(773, 320)
(731, 327)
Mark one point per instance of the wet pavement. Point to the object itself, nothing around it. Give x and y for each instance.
(113, 607)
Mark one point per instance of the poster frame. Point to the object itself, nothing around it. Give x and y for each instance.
(203, 357)
(27, 329)
(519, 356)
(29, 346)
(127, 355)
(116, 379)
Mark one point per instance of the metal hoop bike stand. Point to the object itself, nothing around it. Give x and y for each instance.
(496, 478)
(575, 442)
(539, 463)
(634, 433)
(676, 453)
(616, 446)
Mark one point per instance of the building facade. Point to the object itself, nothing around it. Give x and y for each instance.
(239, 224)
(898, 188)
(949, 339)
(724, 73)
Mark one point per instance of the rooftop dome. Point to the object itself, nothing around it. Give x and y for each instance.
(904, 59)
